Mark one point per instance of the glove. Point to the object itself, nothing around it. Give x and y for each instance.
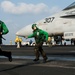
(0, 33)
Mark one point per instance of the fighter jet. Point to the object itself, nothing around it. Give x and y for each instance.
(55, 25)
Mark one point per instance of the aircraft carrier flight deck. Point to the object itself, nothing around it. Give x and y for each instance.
(61, 61)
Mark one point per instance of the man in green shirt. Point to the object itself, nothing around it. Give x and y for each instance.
(40, 36)
(4, 30)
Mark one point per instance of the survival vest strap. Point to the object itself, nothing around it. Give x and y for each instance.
(1, 26)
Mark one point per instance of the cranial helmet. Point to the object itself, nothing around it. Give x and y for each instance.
(34, 25)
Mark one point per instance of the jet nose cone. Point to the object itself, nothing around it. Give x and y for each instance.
(27, 30)
(17, 33)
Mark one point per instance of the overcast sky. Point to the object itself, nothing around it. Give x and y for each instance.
(18, 13)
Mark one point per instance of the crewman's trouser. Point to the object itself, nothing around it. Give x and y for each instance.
(38, 48)
(4, 53)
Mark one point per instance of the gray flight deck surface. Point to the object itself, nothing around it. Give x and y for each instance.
(61, 61)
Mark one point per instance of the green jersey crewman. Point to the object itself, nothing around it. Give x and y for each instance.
(40, 36)
(4, 30)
